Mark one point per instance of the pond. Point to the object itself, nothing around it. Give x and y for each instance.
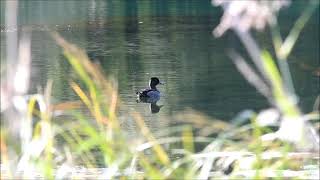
(172, 40)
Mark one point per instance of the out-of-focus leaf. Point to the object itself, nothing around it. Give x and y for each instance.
(151, 171)
(81, 94)
(161, 154)
(187, 139)
(69, 105)
(283, 101)
(293, 36)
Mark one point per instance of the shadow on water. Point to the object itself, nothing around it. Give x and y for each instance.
(154, 107)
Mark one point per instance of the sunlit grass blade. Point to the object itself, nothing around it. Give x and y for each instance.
(93, 105)
(151, 171)
(73, 144)
(161, 154)
(81, 94)
(187, 139)
(112, 109)
(85, 155)
(283, 101)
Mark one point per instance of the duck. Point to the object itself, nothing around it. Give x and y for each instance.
(152, 93)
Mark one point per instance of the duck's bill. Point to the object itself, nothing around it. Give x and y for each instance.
(162, 83)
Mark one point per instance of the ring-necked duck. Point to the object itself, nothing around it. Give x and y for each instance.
(151, 92)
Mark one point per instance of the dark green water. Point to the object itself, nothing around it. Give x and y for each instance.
(135, 40)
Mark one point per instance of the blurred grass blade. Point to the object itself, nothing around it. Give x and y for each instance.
(69, 105)
(81, 94)
(291, 39)
(5, 160)
(250, 75)
(272, 70)
(286, 105)
(75, 57)
(206, 168)
(161, 154)
(152, 172)
(187, 139)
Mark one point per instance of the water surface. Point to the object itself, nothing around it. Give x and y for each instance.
(135, 40)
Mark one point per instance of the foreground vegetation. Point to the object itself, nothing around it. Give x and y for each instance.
(84, 139)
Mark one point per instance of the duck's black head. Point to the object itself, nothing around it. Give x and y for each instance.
(154, 81)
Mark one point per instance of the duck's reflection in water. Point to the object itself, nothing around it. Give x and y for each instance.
(154, 107)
